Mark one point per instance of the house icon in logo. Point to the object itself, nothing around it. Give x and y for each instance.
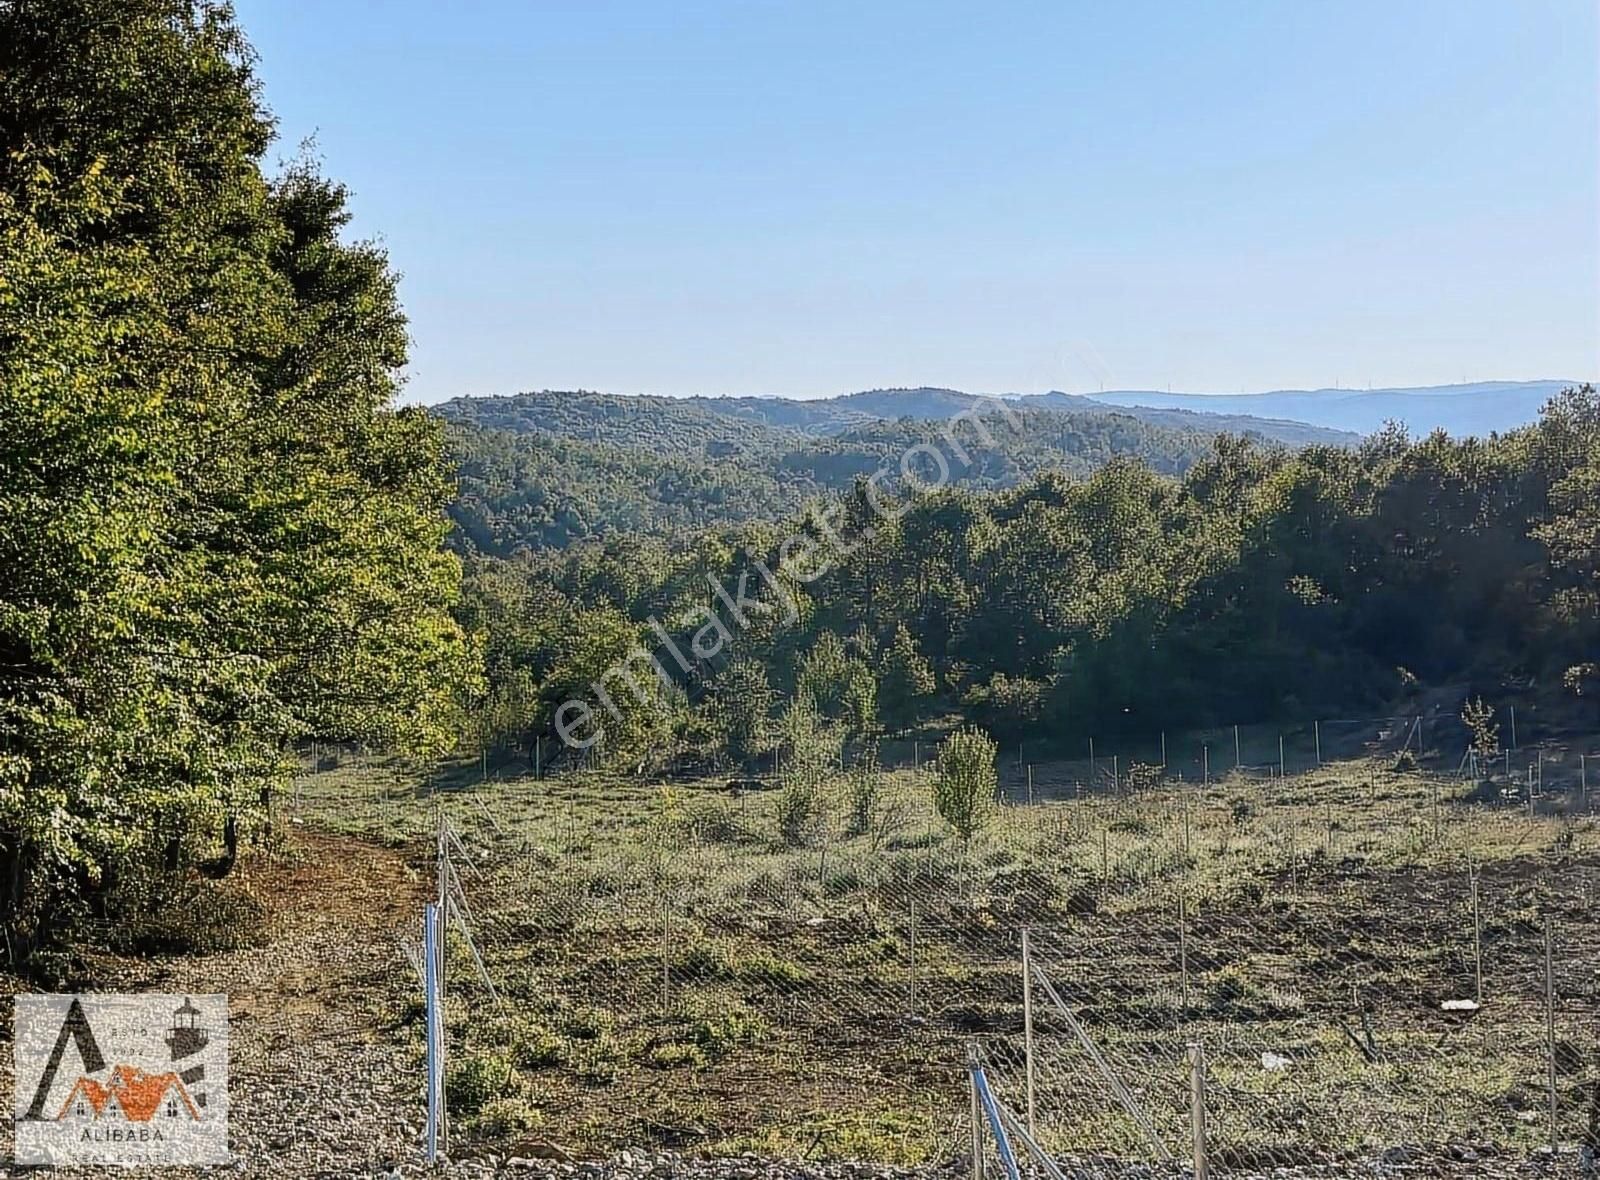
(132, 1096)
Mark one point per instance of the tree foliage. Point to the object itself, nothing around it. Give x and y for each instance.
(1259, 584)
(965, 781)
(216, 534)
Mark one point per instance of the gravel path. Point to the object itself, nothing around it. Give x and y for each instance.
(319, 1086)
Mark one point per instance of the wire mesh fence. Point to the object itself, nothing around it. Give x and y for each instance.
(1359, 949)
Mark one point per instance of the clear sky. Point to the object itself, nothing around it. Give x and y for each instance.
(812, 198)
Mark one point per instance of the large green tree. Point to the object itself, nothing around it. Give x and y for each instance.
(216, 534)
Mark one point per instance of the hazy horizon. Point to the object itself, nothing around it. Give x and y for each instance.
(1007, 393)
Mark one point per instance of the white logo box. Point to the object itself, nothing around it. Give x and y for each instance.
(121, 1079)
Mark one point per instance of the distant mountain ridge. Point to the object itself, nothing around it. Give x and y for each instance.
(1480, 407)
(1295, 417)
(544, 470)
(689, 424)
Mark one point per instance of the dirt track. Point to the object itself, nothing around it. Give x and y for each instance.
(321, 1083)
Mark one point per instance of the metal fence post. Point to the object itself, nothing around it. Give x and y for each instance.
(440, 938)
(1477, 939)
(1550, 1030)
(434, 1028)
(1197, 1108)
(1027, 1026)
(977, 1113)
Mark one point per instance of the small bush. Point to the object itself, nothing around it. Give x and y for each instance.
(166, 913)
(504, 1118)
(711, 960)
(718, 1032)
(703, 960)
(474, 1079)
(589, 1024)
(964, 784)
(598, 1060)
(763, 967)
(802, 812)
(536, 1047)
(676, 1055)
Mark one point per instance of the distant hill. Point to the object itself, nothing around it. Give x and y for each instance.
(1479, 408)
(1208, 421)
(548, 471)
(723, 426)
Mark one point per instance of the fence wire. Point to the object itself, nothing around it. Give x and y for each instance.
(1359, 948)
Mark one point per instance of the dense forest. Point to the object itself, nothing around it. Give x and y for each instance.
(551, 486)
(1258, 583)
(726, 425)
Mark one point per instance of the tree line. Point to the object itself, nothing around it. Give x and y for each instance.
(1259, 584)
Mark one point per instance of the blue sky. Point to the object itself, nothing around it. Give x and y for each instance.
(813, 198)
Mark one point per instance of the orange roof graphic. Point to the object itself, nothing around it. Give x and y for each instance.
(138, 1094)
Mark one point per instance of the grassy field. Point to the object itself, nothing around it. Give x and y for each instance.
(669, 972)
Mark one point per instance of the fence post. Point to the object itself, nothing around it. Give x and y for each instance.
(434, 1027)
(912, 956)
(1091, 764)
(666, 949)
(1282, 771)
(1030, 804)
(1550, 1030)
(1238, 759)
(1163, 749)
(441, 934)
(1316, 731)
(1205, 762)
(1513, 727)
(1183, 943)
(1197, 1108)
(977, 1113)
(1027, 1026)
(1477, 938)
(1583, 781)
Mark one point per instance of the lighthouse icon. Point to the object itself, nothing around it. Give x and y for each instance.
(185, 1038)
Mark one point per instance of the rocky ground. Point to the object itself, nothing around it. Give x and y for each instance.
(323, 1085)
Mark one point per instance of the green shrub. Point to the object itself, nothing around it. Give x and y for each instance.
(676, 1055)
(473, 1079)
(535, 1047)
(599, 1059)
(589, 1024)
(703, 960)
(964, 787)
(504, 1118)
(763, 967)
(719, 1032)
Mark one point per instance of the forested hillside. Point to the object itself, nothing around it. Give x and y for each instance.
(1258, 583)
(551, 473)
(721, 426)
